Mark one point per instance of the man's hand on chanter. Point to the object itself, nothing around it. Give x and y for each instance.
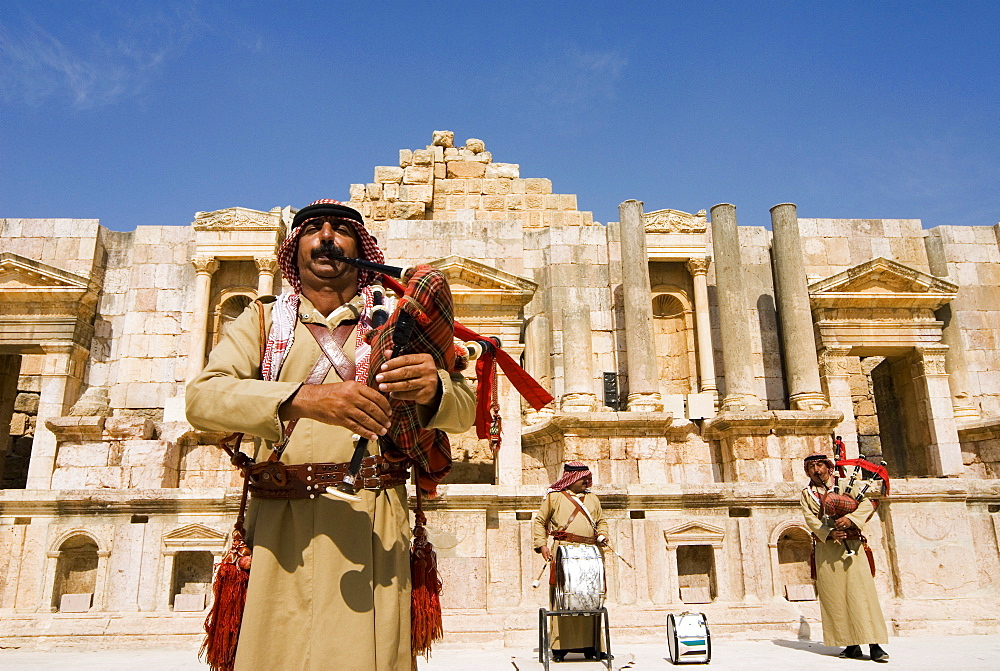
(410, 377)
(352, 405)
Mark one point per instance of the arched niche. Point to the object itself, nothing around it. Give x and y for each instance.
(673, 340)
(231, 305)
(77, 567)
(791, 551)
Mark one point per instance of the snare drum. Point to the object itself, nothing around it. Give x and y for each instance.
(689, 639)
(579, 578)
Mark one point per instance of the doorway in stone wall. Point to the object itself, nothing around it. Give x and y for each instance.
(891, 420)
(19, 396)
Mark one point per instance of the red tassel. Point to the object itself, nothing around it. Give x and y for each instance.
(425, 599)
(222, 626)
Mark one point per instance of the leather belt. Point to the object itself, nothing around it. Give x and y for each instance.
(277, 480)
(567, 537)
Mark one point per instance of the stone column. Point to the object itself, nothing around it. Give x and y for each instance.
(792, 294)
(734, 313)
(62, 373)
(836, 377)
(944, 453)
(640, 358)
(266, 265)
(538, 357)
(204, 267)
(578, 375)
(955, 363)
(508, 469)
(703, 326)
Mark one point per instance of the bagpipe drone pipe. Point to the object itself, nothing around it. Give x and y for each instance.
(843, 499)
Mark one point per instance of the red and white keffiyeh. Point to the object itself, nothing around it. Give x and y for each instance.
(285, 310)
(572, 471)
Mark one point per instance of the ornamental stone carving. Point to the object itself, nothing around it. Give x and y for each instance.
(675, 221)
(204, 265)
(698, 266)
(239, 218)
(266, 264)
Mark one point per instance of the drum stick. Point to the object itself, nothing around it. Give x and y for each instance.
(615, 553)
(538, 580)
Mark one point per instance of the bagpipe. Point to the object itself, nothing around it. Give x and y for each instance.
(423, 322)
(865, 474)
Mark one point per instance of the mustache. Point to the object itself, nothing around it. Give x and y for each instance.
(328, 249)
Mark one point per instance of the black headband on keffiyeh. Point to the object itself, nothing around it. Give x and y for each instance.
(326, 207)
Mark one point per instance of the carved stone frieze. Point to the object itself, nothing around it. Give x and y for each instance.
(675, 221)
(238, 218)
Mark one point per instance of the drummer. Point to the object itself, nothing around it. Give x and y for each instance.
(570, 513)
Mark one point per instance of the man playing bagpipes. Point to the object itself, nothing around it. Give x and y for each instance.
(849, 604)
(330, 580)
(570, 513)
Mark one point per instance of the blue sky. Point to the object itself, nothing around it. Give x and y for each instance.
(145, 112)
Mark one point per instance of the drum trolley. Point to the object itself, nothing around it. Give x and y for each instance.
(601, 615)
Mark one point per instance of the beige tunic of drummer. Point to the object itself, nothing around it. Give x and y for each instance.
(848, 601)
(330, 580)
(568, 632)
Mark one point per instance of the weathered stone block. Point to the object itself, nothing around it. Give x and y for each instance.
(75, 603)
(800, 592)
(405, 158)
(87, 454)
(475, 145)
(189, 603)
(388, 174)
(422, 157)
(421, 193)
(696, 595)
(373, 191)
(505, 170)
(482, 157)
(26, 402)
(418, 174)
(465, 169)
(538, 185)
(18, 424)
(404, 210)
(443, 138)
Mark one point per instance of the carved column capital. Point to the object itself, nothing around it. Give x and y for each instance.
(699, 266)
(205, 265)
(266, 264)
(930, 360)
(832, 361)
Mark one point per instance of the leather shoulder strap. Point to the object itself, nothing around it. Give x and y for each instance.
(332, 344)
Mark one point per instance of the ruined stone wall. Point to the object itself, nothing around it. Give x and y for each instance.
(970, 255)
(831, 246)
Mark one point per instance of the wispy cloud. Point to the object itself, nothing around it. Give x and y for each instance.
(577, 77)
(113, 57)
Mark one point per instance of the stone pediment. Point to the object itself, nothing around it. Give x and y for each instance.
(882, 283)
(474, 283)
(239, 219)
(694, 533)
(194, 537)
(675, 221)
(20, 275)
(194, 531)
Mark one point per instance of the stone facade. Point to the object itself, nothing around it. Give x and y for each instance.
(694, 416)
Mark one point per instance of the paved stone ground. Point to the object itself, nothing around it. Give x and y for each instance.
(921, 653)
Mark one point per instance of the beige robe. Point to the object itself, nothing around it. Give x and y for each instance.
(569, 632)
(330, 580)
(848, 601)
